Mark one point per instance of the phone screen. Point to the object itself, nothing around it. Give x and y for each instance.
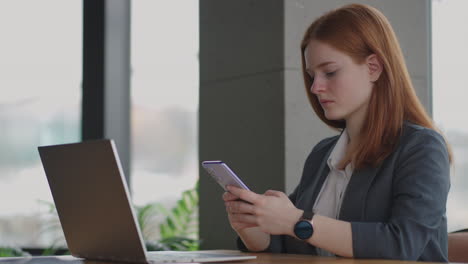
(222, 174)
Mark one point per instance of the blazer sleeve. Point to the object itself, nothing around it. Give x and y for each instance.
(420, 187)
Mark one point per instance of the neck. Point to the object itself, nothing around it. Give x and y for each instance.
(354, 124)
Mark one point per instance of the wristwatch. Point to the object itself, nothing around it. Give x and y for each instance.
(304, 229)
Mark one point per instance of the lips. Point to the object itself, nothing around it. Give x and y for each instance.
(323, 101)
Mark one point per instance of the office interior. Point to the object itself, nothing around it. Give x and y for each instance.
(178, 82)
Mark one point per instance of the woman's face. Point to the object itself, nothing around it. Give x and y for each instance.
(342, 87)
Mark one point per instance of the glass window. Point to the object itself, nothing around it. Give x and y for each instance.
(164, 94)
(40, 76)
(450, 92)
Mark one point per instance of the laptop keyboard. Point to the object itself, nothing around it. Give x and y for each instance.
(178, 257)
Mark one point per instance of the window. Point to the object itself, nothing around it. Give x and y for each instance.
(40, 71)
(164, 94)
(450, 92)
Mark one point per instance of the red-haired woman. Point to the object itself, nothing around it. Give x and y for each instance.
(379, 189)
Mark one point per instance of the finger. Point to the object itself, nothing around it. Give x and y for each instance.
(240, 208)
(244, 218)
(238, 223)
(243, 194)
(274, 193)
(249, 225)
(227, 196)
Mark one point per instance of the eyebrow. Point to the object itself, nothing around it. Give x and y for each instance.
(321, 65)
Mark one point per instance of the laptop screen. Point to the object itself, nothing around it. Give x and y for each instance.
(92, 201)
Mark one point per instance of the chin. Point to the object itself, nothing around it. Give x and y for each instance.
(333, 116)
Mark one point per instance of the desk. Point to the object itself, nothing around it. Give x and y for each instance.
(262, 258)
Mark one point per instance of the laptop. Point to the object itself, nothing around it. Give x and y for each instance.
(92, 201)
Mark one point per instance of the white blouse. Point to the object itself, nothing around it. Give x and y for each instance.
(328, 202)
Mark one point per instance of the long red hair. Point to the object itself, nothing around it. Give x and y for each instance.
(359, 31)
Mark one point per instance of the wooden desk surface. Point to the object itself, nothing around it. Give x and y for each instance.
(262, 258)
(267, 258)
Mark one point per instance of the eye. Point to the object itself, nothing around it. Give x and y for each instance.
(330, 74)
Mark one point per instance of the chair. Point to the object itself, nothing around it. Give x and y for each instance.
(458, 246)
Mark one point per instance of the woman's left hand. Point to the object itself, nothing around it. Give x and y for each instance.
(272, 212)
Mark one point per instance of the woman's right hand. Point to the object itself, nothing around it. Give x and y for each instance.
(253, 238)
(236, 225)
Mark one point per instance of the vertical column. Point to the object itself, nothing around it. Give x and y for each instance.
(241, 103)
(106, 74)
(93, 70)
(117, 79)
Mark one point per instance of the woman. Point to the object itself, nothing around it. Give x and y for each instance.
(379, 189)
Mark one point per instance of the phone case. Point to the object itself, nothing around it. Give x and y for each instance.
(222, 174)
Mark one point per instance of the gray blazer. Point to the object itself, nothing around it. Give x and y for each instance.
(396, 210)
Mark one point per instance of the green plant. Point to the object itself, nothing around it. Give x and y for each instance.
(180, 221)
(12, 252)
(179, 228)
(173, 243)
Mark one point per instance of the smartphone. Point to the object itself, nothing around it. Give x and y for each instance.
(222, 174)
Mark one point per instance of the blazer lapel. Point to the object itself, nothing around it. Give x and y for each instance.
(310, 194)
(354, 200)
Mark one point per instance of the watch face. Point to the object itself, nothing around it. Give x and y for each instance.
(303, 229)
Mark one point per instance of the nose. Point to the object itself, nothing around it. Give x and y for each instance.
(317, 86)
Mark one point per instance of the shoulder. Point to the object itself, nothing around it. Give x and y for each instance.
(422, 157)
(414, 136)
(422, 147)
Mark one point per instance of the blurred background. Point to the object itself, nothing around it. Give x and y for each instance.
(40, 104)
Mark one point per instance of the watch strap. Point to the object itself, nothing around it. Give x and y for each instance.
(307, 215)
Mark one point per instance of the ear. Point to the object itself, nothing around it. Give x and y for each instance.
(375, 67)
